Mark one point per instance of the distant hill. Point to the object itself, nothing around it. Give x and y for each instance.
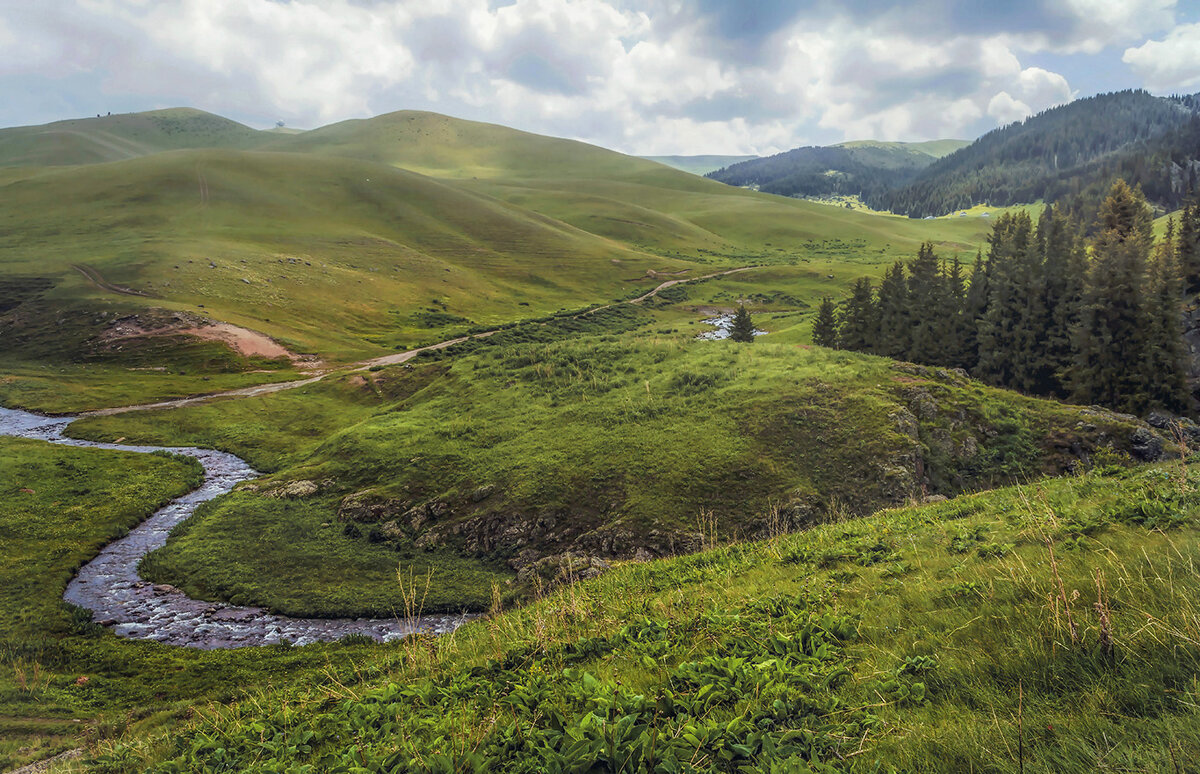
(1068, 152)
(119, 137)
(699, 165)
(331, 240)
(861, 168)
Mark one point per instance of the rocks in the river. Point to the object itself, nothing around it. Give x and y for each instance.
(110, 588)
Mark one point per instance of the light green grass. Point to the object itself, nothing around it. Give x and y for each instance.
(1046, 628)
(66, 683)
(363, 237)
(597, 445)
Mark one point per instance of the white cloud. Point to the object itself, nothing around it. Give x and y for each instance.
(1005, 108)
(1104, 23)
(1170, 64)
(641, 77)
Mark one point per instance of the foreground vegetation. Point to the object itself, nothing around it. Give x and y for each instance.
(67, 683)
(512, 459)
(1050, 627)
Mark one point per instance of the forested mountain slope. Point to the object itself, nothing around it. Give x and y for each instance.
(1075, 150)
(854, 168)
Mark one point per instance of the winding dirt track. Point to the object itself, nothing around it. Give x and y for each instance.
(384, 360)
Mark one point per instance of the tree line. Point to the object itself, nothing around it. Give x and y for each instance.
(1044, 311)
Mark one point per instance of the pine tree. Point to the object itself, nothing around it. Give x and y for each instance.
(860, 318)
(952, 325)
(974, 310)
(1111, 337)
(893, 339)
(1164, 371)
(1005, 334)
(825, 329)
(925, 299)
(1064, 265)
(742, 329)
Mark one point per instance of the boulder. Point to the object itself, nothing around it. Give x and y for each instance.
(300, 488)
(368, 507)
(1146, 445)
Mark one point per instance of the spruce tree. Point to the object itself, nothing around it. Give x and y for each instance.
(1005, 330)
(952, 326)
(973, 311)
(742, 329)
(1112, 335)
(1064, 265)
(860, 318)
(893, 339)
(924, 305)
(1188, 244)
(1165, 370)
(825, 331)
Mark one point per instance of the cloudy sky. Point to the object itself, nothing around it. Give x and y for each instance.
(641, 76)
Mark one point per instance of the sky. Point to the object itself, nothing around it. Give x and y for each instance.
(639, 76)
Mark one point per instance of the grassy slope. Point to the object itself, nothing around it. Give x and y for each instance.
(327, 246)
(1046, 628)
(698, 165)
(596, 446)
(934, 148)
(114, 138)
(65, 682)
(603, 192)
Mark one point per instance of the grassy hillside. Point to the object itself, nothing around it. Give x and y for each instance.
(520, 456)
(934, 148)
(330, 254)
(126, 136)
(698, 165)
(1042, 628)
(328, 246)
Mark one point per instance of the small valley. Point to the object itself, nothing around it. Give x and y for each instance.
(405, 443)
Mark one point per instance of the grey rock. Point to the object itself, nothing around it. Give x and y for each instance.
(1146, 445)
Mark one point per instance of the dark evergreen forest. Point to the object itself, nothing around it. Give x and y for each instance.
(1095, 320)
(1070, 154)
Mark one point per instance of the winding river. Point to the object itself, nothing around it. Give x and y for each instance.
(109, 585)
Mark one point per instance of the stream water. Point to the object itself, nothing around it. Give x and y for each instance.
(109, 585)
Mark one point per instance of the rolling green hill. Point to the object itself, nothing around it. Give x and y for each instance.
(361, 237)
(1047, 628)
(126, 136)
(515, 455)
(863, 168)
(699, 165)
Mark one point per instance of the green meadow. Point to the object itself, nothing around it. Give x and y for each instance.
(1048, 627)
(366, 237)
(587, 445)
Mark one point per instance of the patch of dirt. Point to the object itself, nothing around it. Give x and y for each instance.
(247, 342)
(160, 322)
